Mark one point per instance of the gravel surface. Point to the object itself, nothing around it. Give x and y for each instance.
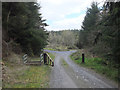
(74, 76)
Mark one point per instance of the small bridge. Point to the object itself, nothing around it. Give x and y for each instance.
(44, 59)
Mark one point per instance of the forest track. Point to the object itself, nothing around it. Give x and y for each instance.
(74, 76)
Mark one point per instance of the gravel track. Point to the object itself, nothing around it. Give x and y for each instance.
(74, 76)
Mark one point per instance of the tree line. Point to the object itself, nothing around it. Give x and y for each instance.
(100, 31)
(23, 24)
(65, 38)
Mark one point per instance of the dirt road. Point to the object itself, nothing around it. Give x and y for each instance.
(74, 76)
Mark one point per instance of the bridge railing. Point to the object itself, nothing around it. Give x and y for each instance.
(25, 58)
(48, 60)
(44, 58)
(41, 58)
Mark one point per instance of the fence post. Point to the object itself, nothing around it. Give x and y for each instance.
(50, 61)
(45, 58)
(52, 64)
(83, 58)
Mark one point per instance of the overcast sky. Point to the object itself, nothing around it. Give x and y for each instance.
(64, 14)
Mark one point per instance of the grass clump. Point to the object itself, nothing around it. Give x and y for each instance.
(64, 63)
(97, 64)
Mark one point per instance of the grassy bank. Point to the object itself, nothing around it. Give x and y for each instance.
(97, 64)
(18, 75)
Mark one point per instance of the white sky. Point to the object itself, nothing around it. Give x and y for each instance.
(64, 14)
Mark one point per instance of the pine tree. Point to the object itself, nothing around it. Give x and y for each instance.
(88, 26)
(24, 25)
(111, 30)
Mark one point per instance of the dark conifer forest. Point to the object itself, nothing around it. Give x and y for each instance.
(23, 24)
(101, 31)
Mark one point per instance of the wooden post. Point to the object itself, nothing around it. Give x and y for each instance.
(52, 64)
(50, 61)
(45, 58)
(83, 59)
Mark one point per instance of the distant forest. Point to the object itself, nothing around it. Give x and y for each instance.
(63, 39)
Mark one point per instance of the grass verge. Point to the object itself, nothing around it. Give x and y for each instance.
(61, 48)
(22, 76)
(96, 64)
(50, 49)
